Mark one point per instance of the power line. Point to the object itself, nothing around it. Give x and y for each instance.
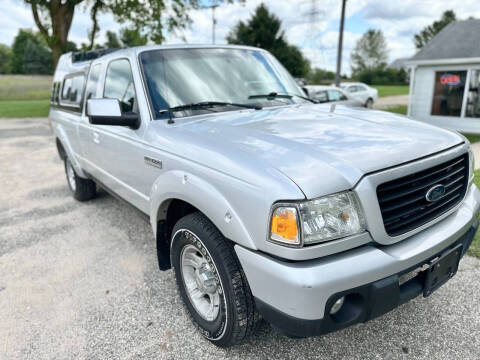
(314, 15)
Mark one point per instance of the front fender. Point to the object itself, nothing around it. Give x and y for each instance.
(202, 195)
(61, 135)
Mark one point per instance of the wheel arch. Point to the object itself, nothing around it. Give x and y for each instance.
(65, 150)
(188, 193)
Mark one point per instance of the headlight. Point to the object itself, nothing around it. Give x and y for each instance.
(323, 219)
(284, 225)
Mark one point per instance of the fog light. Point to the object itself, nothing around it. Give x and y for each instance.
(337, 305)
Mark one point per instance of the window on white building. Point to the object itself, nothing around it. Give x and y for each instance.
(448, 93)
(473, 99)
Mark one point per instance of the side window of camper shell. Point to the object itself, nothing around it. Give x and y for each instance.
(72, 91)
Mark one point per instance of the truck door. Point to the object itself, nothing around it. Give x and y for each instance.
(85, 133)
(117, 152)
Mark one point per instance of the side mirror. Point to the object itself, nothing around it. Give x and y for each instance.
(108, 112)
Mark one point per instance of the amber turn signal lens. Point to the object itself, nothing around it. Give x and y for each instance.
(284, 226)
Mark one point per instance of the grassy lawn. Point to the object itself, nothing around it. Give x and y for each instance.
(391, 90)
(472, 137)
(475, 247)
(24, 95)
(24, 108)
(399, 109)
(25, 87)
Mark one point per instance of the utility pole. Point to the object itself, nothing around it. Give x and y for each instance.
(340, 45)
(214, 20)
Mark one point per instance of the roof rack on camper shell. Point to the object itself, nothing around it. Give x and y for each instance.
(90, 55)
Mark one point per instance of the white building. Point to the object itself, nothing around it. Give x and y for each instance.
(445, 78)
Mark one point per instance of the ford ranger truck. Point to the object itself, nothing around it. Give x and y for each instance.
(266, 205)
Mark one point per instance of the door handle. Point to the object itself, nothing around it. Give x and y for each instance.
(96, 138)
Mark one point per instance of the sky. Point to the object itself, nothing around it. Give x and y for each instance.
(316, 36)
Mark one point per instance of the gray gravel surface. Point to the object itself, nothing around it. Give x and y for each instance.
(80, 281)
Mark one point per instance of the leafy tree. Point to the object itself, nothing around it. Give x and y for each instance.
(112, 41)
(132, 37)
(264, 30)
(5, 59)
(128, 38)
(320, 76)
(370, 52)
(23, 38)
(383, 76)
(54, 18)
(37, 59)
(428, 32)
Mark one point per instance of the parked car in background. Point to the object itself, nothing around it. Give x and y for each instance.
(331, 94)
(362, 92)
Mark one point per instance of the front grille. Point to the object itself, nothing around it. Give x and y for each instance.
(403, 201)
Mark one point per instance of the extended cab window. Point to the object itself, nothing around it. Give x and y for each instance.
(72, 90)
(119, 84)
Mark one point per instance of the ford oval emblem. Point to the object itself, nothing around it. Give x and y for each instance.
(435, 193)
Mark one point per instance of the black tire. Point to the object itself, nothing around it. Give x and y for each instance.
(82, 189)
(237, 317)
(369, 103)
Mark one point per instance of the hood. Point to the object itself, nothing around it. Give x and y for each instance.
(322, 149)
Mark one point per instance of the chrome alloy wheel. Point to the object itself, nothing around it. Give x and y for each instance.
(201, 282)
(71, 176)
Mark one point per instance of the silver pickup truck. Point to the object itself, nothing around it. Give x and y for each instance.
(265, 204)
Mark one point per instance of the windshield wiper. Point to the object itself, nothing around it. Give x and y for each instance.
(274, 95)
(209, 104)
(204, 105)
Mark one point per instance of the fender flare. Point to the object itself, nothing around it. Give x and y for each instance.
(63, 138)
(199, 193)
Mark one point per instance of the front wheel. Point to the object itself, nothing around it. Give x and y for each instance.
(211, 282)
(82, 189)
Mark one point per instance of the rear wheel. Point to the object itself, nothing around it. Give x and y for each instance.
(211, 282)
(82, 189)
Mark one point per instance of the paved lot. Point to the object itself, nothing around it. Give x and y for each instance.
(391, 101)
(80, 280)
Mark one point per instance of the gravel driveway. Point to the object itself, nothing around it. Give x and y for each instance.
(80, 280)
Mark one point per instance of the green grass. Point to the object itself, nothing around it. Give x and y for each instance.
(475, 247)
(24, 108)
(24, 95)
(391, 90)
(473, 138)
(399, 109)
(25, 87)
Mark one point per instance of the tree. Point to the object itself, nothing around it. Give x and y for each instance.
(112, 41)
(370, 52)
(37, 59)
(23, 39)
(320, 76)
(54, 18)
(264, 30)
(132, 37)
(428, 32)
(5, 59)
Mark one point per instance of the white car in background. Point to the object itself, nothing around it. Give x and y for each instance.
(331, 94)
(366, 94)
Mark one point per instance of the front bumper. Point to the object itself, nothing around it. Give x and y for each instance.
(297, 296)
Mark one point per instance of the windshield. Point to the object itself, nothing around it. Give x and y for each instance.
(190, 76)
